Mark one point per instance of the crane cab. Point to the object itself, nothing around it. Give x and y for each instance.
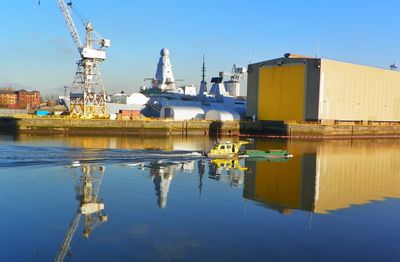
(105, 43)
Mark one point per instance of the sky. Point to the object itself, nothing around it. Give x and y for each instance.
(37, 52)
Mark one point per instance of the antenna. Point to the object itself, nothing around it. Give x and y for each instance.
(203, 69)
(250, 56)
(317, 55)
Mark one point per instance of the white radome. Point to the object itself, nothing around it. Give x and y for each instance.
(164, 52)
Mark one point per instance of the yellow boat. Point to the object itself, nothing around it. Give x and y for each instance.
(226, 149)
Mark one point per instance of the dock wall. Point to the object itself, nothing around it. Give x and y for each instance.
(116, 127)
(168, 127)
(320, 130)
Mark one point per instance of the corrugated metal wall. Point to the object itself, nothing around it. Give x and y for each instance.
(356, 92)
(281, 92)
(333, 90)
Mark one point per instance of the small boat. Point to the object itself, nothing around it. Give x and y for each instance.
(226, 149)
(271, 154)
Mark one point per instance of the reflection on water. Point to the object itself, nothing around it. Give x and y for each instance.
(231, 168)
(162, 174)
(178, 190)
(87, 185)
(322, 176)
(122, 142)
(326, 176)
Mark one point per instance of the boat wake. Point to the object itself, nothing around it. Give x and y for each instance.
(24, 156)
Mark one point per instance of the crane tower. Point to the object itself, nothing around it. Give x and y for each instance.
(87, 93)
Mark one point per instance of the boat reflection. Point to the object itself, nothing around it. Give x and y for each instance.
(326, 176)
(231, 168)
(87, 179)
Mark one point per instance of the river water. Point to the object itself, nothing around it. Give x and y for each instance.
(153, 199)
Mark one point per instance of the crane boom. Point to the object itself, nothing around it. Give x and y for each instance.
(71, 25)
(68, 237)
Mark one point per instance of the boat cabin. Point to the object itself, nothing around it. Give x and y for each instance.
(226, 149)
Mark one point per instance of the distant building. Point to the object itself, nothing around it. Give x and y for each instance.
(295, 88)
(8, 99)
(20, 99)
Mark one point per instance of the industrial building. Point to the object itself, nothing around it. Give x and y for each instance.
(295, 88)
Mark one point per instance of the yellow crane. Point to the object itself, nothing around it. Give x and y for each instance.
(87, 97)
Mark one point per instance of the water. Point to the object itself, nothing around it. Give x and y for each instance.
(135, 199)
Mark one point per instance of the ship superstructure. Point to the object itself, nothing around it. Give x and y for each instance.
(163, 92)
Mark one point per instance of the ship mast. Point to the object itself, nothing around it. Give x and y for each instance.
(203, 83)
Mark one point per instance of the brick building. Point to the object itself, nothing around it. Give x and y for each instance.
(20, 99)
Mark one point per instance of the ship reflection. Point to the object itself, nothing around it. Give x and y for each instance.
(162, 173)
(87, 185)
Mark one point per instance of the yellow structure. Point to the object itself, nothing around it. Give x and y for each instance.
(281, 92)
(311, 89)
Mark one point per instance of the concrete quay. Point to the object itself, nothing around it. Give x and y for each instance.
(321, 130)
(35, 125)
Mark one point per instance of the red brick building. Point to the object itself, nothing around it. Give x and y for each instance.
(20, 99)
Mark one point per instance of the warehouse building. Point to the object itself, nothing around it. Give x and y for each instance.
(295, 88)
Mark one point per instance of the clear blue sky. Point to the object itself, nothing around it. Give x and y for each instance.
(37, 52)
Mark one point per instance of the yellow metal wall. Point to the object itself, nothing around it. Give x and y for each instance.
(356, 92)
(281, 92)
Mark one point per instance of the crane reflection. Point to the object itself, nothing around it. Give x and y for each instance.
(87, 180)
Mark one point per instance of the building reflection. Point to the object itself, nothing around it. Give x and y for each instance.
(125, 142)
(87, 179)
(326, 176)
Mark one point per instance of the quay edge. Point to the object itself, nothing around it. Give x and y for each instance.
(71, 126)
(321, 129)
(195, 127)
